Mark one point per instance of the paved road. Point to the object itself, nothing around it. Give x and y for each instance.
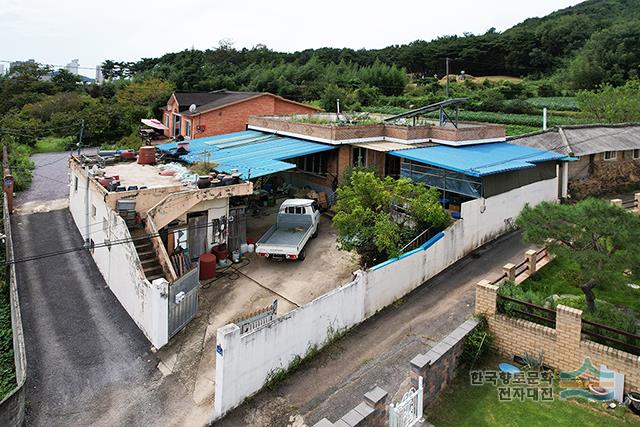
(87, 361)
(378, 351)
(50, 179)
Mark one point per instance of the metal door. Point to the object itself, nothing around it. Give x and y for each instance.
(237, 228)
(197, 234)
(183, 300)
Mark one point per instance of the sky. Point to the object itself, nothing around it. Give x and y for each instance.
(55, 32)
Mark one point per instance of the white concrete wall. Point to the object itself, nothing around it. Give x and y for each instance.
(247, 360)
(119, 264)
(216, 209)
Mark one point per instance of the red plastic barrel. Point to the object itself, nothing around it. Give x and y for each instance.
(147, 155)
(207, 266)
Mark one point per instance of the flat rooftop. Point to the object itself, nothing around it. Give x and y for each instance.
(134, 174)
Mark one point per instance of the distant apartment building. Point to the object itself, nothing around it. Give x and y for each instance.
(73, 66)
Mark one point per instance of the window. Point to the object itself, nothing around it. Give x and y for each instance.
(187, 128)
(93, 211)
(296, 210)
(610, 155)
(359, 157)
(166, 119)
(636, 154)
(314, 163)
(75, 184)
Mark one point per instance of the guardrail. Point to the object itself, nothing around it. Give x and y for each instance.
(535, 313)
(613, 337)
(12, 407)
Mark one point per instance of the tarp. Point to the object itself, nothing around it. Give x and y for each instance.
(481, 159)
(153, 123)
(252, 153)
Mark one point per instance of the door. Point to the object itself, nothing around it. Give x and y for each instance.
(176, 125)
(237, 228)
(183, 300)
(197, 234)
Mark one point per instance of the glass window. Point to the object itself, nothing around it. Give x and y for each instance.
(359, 157)
(636, 154)
(75, 184)
(313, 163)
(610, 155)
(187, 128)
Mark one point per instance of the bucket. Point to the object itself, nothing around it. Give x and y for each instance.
(235, 257)
(251, 247)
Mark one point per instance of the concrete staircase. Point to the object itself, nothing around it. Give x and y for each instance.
(147, 254)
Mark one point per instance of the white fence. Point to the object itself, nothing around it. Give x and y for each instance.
(245, 361)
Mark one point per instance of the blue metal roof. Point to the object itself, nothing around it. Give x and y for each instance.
(252, 153)
(481, 159)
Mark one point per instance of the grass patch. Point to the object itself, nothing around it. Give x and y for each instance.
(462, 404)
(560, 103)
(563, 276)
(515, 130)
(52, 144)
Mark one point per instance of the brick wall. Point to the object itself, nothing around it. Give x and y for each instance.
(234, 118)
(332, 132)
(439, 366)
(371, 412)
(563, 347)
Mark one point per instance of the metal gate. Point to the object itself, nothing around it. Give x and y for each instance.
(183, 300)
(408, 412)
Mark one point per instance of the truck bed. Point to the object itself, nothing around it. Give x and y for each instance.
(289, 234)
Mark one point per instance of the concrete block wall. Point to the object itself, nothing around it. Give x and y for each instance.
(439, 366)
(371, 412)
(563, 347)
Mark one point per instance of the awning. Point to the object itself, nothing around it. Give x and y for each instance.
(482, 159)
(153, 123)
(253, 154)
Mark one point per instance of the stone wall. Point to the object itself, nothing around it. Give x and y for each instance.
(371, 412)
(563, 347)
(439, 366)
(12, 407)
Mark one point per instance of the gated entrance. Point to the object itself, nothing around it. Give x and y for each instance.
(183, 300)
(408, 412)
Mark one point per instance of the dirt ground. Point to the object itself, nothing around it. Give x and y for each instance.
(252, 284)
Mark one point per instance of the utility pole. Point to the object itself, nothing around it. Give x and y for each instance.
(447, 71)
(80, 136)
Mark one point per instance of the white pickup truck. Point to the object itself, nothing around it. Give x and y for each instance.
(296, 223)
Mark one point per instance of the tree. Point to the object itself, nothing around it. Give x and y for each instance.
(603, 239)
(612, 105)
(364, 214)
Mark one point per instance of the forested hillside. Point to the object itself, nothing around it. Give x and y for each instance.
(582, 63)
(594, 42)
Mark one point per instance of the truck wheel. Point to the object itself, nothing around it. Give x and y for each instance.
(302, 255)
(315, 233)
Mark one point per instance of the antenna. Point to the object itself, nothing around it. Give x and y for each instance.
(192, 108)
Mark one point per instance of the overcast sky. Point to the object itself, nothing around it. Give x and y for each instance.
(55, 32)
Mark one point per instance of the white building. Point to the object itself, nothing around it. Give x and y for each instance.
(144, 232)
(73, 66)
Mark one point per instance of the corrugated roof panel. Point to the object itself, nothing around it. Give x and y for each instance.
(253, 153)
(480, 160)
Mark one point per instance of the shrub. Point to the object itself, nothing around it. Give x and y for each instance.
(477, 343)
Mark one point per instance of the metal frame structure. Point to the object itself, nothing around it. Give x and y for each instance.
(438, 106)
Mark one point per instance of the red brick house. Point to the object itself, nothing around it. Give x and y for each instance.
(222, 111)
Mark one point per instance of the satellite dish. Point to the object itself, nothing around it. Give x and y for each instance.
(192, 108)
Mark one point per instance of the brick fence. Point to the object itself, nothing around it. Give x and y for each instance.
(371, 412)
(563, 347)
(439, 366)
